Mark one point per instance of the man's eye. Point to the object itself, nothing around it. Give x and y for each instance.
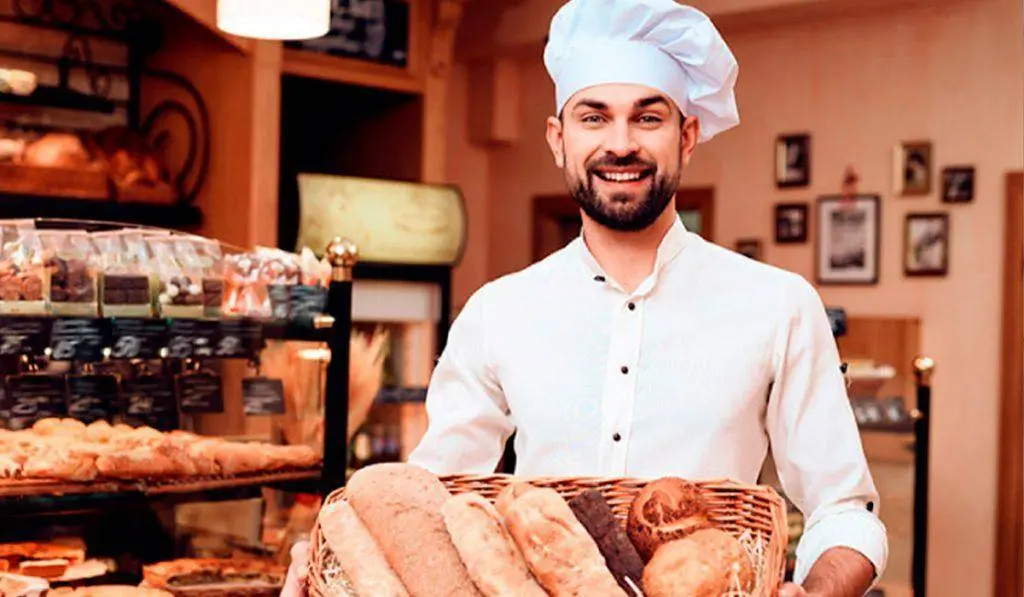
(650, 119)
(592, 118)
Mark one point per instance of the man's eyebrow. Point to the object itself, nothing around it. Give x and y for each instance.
(647, 102)
(592, 104)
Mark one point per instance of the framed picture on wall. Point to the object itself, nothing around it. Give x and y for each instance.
(793, 161)
(926, 244)
(848, 240)
(751, 247)
(912, 168)
(791, 223)
(958, 184)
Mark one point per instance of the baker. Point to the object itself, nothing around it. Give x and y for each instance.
(640, 349)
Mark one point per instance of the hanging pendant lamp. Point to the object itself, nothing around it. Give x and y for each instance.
(274, 19)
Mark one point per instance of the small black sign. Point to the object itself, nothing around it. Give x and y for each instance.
(137, 338)
(238, 339)
(200, 393)
(279, 297)
(77, 339)
(837, 319)
(149, 400)
(374, 30)
(262, 396)
(393, 395)
(189, 338)
(305, 303)
(24, 335)
(33, 397)
(92, 397)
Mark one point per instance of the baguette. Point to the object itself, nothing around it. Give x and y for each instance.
(491, 557)
(563, 557)
(357, 552)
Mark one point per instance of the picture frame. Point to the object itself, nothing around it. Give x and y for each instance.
(848, 240)
(958, 184)
(791, 222)
(926, 244)
(912, 168)
(750, 247)
(793, 161)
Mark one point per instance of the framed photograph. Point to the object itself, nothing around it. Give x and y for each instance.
(958, 184)
(793, 161)
(913, 168)
(926, 251)
(848, 239)
(790, 223)
(751, 247)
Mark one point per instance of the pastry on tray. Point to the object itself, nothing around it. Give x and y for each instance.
(237, 575)
(109, 591)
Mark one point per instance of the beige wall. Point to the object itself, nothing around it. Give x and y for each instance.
(859, 85)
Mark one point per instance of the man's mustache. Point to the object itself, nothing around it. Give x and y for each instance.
(626, 161)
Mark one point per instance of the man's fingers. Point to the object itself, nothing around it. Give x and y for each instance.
(295, 582)
(792, 590)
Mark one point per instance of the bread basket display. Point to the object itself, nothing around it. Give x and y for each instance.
(397, 524)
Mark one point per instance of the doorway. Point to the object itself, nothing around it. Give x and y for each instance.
(556, 218)
(1010, 533)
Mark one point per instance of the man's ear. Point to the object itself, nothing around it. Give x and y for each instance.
(690, 135)
(554, 137)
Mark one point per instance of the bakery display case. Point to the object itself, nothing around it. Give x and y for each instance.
(118, 341)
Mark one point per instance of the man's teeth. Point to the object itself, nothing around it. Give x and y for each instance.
(621, 176)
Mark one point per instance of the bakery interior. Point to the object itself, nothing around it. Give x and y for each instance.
(324, 204)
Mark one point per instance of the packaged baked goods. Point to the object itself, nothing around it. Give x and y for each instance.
(178, 274)
(71, 261)
(125, 285)
(246, 291)
(211, 259)
(23, 278)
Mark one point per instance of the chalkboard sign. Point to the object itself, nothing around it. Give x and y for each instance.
(24, 335)
(306, 302)
(92, 397)
(137, 338)
(188, 338)
(200, 393)
(149, 400)
(77, 339)
(262, 396)
(373, 30)
(33, 397)
(238, 339)
(279, 294)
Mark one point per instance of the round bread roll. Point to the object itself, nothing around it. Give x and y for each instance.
(665, 510)
(400, 504)
(708, 563)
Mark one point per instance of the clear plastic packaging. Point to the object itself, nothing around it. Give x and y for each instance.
(179, 293)
(71, 260)
(23, 281)
(246, 291)
(212, 262)
(126, 281)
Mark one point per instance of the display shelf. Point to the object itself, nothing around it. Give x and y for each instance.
(23, 497)
(62, 98)
(179, 216)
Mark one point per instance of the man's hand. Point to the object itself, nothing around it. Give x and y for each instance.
(791, 590)
(295, 582)
(839, 572)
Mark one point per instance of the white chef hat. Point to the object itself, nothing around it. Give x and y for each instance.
(657, 43)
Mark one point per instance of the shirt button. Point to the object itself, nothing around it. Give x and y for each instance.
(624, 369)
(599, 278)
(632, 306)
(616, 437)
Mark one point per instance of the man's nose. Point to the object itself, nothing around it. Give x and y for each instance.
(620, 141)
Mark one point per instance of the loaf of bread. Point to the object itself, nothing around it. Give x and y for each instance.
(491, 557)
(400, 504)
(509, 494)
(621, 557)
(560, 553)
(708, 563)
(358, 554)
(665, 510)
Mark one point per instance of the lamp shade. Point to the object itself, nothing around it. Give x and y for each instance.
(274, 19)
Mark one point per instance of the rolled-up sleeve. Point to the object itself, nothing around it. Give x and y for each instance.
(467, 416)
(815, 440)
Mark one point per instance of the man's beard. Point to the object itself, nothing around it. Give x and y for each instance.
(647, 208)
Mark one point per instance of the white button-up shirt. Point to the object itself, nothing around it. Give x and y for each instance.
(713, 358)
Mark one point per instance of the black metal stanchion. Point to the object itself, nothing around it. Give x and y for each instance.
(342, 255)
(923, 367)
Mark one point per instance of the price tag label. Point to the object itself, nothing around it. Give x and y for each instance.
(92, 397)
(33, 397)
(305, 302)
(189, 338)
(137, 338)
(200, 393)
(262, 396)
(280, 296)
(239, 339)
(24, 335)
(77, 339)
(149, 400)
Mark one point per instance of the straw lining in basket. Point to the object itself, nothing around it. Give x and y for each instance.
(754, 514)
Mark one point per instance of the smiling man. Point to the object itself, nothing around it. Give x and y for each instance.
(640, 349)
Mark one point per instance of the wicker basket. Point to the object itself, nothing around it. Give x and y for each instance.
(734, 507)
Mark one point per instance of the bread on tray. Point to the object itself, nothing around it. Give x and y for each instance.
(185, 573)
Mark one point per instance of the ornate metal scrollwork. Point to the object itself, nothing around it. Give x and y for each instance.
(156, 129)
(90, 14)
(78, 52)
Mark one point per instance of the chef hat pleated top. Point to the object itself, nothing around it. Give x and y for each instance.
(661, 44)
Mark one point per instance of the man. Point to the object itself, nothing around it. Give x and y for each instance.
(641, 350)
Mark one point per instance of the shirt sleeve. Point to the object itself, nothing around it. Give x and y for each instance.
(467, 417)
(815, 440)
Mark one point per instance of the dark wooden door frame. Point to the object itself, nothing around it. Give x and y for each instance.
(1009, 577)
(557, 207)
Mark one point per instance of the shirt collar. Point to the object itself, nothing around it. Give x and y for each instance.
(672, 244)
